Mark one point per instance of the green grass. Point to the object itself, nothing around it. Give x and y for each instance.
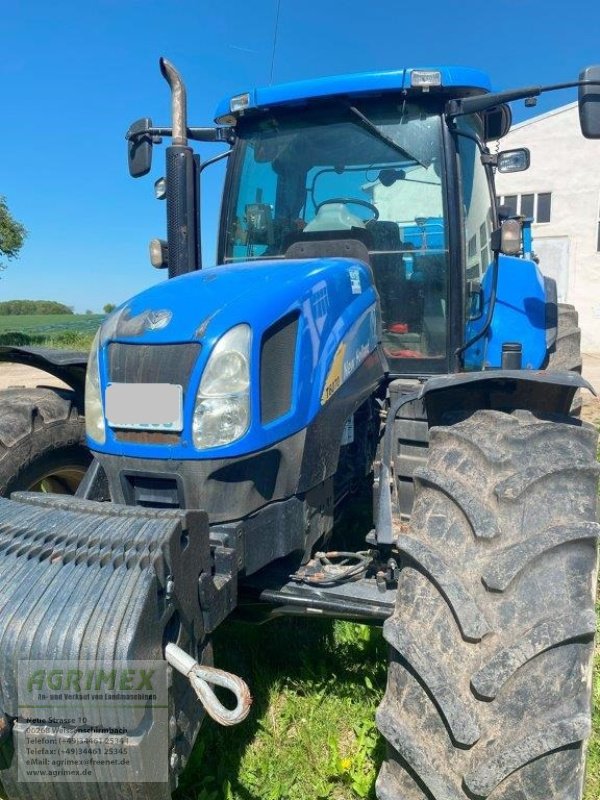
(49, 324)
(311, 732)
(73, 331)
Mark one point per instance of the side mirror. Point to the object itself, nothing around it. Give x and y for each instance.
(496, 122)
(514, 160)
(589, 103)
(139, 147)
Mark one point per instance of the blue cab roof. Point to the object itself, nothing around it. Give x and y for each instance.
(464, 80)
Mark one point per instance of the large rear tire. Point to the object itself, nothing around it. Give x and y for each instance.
(489, 685)
(566, 353)
(42, 441)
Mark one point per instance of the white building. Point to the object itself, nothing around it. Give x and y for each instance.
(561, 191)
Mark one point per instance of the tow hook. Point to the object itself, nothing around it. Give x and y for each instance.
(200, 677)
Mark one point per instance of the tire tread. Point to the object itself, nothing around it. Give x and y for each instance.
(513, 559)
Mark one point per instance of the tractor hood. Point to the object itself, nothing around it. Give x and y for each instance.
(302, 315)
(201, 306)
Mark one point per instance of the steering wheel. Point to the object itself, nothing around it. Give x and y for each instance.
(349, 201)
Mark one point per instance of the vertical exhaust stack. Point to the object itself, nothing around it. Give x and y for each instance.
(183, 218)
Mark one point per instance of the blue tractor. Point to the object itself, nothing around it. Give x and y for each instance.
(374, 320)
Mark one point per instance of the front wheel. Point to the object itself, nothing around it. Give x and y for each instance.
(42, 441)
(491, 641)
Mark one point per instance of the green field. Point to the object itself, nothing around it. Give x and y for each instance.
(50, 330)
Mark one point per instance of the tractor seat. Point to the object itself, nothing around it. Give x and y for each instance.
(329, 248)
(389, 270)
(430, 275)
(360, 235)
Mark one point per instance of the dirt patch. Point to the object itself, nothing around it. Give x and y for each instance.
(591, 411)
(591, 372)
(19, 375)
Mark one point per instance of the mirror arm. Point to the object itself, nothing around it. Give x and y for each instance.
(222, 134)
(214, 159)
(472, 105)
(489, 158)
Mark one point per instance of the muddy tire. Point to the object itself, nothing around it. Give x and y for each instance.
(491, 642)
(566, 353)
(42, 441)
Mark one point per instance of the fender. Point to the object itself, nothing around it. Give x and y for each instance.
(66, 365)
(502, 390)
(445, 399)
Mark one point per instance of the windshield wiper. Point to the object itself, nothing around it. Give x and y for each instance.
(370, 126)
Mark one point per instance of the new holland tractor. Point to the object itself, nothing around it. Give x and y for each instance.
(374, 319)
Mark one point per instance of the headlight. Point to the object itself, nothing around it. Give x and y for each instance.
(94, 413)
(222, 411)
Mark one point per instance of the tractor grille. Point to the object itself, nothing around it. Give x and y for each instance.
(152, 363)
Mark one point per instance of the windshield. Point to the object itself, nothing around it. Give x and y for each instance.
(369, 171)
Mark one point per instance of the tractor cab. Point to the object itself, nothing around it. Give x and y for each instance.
(302, 183)
(371, 170)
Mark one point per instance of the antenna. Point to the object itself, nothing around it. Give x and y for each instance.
(274, 41)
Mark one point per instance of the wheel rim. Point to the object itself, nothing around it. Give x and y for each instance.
(61, 480)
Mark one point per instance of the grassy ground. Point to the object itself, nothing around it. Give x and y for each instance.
(311, 732)
(50, 330)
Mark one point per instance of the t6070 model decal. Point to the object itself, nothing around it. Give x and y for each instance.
(356, 345)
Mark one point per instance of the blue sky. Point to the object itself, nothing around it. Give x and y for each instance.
(75, 74)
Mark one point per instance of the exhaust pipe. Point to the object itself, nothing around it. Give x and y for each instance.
(182, 195)
(178, 102)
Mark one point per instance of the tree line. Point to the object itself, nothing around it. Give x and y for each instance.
(12, 234)
(18, 307)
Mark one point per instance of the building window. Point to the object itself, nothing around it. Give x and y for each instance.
(527, 205)
(544, 204)
(472, 247)
(537, 207)
(511, 200)
(484, 237)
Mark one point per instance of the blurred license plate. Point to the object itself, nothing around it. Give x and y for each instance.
(158, 406)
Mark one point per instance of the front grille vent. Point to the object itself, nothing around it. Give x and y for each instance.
(152, 363)
(277, 357)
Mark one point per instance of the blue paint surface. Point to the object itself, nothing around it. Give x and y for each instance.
(519, 316)
(460, 78)
(330, 295)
